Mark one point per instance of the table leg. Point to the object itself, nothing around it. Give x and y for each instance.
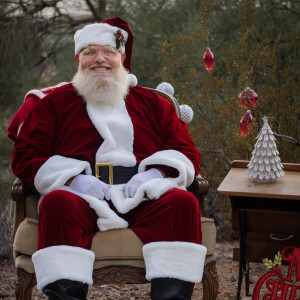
(247, 278)
(243, 270)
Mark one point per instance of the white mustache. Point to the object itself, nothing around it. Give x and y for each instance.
(97, 65)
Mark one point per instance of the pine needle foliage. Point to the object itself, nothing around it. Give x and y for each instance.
(250, 50)
(250, 56)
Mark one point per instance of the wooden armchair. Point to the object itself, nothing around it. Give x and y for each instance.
(119, 259)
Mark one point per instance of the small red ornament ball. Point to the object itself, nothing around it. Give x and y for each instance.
(208, 59)
(248, 98)
(246, 124)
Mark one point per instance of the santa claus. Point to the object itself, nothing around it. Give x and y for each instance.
(105, 153)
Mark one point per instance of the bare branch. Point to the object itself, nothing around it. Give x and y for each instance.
(101, 9)
(288, 139)
(93, 9)
(211, 88)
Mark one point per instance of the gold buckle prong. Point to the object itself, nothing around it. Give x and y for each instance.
(110, 171)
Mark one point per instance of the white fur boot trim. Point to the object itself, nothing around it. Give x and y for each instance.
(63, 262)
(181, 260)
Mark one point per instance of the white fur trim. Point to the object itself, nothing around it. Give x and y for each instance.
(63, 262)
(115, 126)
(132, 80)
(108, 219)
(54, 173)
(181, 260)
(54, 86)
(38, 93)
(19, 128)
(97, 34)
(156, 187)
(175, 159)
(153, 189)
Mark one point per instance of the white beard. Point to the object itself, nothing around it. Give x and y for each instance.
(98, 88)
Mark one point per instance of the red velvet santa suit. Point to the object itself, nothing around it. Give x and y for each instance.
(30, 100)
(63, 137)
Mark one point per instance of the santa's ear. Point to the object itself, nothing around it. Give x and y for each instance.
(77, 59)
(123, 57)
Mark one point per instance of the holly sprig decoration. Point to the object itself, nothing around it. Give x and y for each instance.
(273, 264)
(120, 40)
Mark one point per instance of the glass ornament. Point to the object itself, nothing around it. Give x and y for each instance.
(248, 98)
(208, 59)
(246, 124)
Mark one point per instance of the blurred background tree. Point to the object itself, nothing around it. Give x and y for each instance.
(255, 43)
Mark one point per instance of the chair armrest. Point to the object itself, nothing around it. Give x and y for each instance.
(20, 191)
(199, 188)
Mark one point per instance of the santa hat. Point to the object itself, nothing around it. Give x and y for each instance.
(113, 32)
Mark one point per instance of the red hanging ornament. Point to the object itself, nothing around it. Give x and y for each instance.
(246, 123)
(208, 59)
(248, 98)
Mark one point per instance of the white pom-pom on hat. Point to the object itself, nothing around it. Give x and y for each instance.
(186, 112)
(132, 80)
(166, 88)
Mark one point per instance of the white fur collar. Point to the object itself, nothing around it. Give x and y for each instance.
(115, 126)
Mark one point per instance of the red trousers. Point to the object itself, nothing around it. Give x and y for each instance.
(66, 219)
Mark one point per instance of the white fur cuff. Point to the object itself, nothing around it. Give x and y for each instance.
(54, 173)
(181, 260)
(153, 189)
(175, 159)
(63, 262)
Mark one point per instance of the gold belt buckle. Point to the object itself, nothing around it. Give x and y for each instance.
(110, 171)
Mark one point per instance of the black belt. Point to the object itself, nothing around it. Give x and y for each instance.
(109, 174)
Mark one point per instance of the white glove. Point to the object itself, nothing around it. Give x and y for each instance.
(90, 185)
(137, 180)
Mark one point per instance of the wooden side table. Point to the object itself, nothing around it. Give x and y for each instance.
(265, 216)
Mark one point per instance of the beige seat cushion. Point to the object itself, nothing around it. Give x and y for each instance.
(209, 234)
(113, 247)
(112, 244)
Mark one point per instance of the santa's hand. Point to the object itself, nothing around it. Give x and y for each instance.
(90, 185)
(137, 180)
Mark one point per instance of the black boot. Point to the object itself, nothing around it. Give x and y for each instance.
(65, 289)
(171, 288)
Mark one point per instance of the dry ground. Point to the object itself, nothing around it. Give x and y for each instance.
(227, 271)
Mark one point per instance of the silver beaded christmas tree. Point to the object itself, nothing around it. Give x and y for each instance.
(265, 164)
